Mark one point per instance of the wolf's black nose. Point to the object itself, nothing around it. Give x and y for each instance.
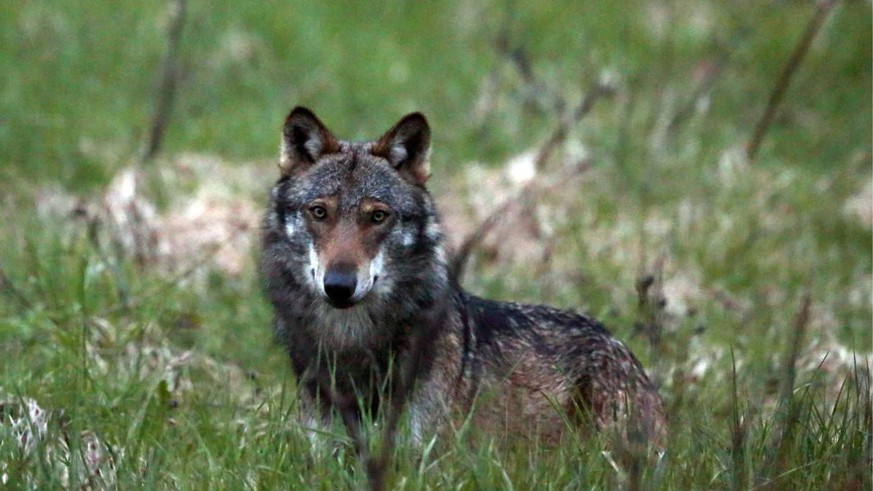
(340, 286)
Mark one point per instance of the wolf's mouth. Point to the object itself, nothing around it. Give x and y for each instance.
(341, 304)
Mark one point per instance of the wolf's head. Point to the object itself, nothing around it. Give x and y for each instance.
(351, 222)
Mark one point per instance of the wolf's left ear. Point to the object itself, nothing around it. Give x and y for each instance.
(406, 147)
(304, 140)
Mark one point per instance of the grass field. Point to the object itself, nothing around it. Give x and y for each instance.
(135, 345)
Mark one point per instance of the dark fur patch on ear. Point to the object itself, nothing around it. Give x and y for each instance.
(304, 140)
(406, 147)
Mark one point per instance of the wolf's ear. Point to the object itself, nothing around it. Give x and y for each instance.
(406, 146)
(304, 140)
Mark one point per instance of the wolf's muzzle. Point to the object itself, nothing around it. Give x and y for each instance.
(339, 285)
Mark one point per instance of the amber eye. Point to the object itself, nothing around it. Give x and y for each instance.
(318, 212)
(378, 216)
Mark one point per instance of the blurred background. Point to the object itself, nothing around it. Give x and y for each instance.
(613, 140)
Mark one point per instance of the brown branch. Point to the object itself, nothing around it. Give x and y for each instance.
(787, 422)
(166, 93)
(535, 91)
(711, 74)
(533, 188)
(559, 135)
(801, 322)
(526, 195)
(778, 93)
(739, 429)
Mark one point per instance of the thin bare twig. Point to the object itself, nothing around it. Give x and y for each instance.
(787, 422)
(535, 91)
(778, 93)
(533, 188)
(712, 71)
(559, 135)
(166, 93)
(739, 429)
(801, 322)
(527, 194)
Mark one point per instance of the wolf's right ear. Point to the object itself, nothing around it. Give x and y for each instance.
(304, 140)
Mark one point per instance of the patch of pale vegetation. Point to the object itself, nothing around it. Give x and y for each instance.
(211, 219)
(859, 206)
(37, 434)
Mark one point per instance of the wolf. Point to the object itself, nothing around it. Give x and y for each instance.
(355, 266)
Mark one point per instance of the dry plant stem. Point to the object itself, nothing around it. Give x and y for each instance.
(778, 93)
(533, 188)
(707, 82)
(535, 91)
(738, 433)
(786, 389)
(519, 60)
(559, 135)
(166, 94)
(524, 196)
(787, 422)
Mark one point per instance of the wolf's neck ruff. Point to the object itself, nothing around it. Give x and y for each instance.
(356, 270)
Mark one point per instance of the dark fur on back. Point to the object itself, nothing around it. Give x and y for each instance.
(508, 366)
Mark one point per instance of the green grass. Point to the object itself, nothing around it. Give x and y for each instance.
(184, 388)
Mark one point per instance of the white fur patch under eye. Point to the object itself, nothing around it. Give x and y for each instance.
(381, 282)
(408, 238)
(290, 228)
(313, 271)
(377, 265)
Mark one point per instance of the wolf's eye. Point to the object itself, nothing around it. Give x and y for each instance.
(318, 212)
(378, 216)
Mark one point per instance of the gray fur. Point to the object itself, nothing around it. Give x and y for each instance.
(507, 366)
